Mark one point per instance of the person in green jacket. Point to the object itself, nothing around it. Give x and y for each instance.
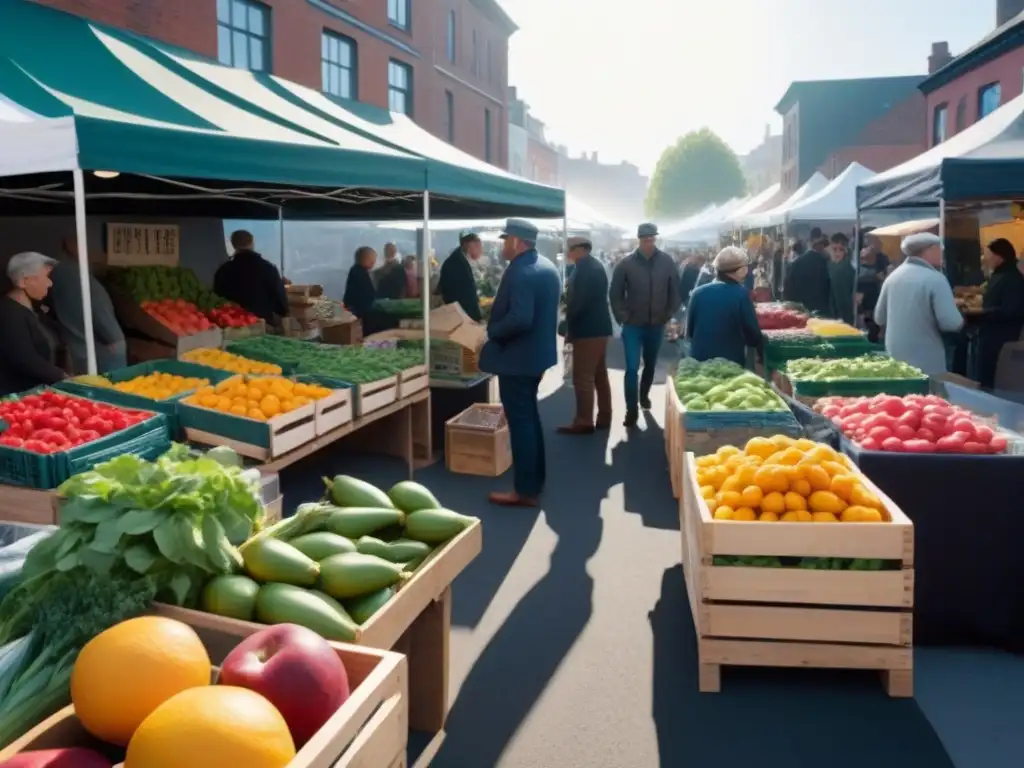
(842, 278)
(457, 283)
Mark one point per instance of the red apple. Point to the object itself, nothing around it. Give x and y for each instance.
(296, 670)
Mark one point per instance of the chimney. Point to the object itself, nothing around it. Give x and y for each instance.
(1007, 9)
(940, 56)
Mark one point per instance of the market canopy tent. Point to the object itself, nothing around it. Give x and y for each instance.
(836, 202)
(983, 162)
(754, 204)
(703, 228)
(775, 216)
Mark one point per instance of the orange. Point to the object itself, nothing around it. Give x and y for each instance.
(707, 492)
(768, 517)
(223, 403)
(865, 498)
(823, 517)
(257, 414)
(723, 513)
(270, 406)
(802, 487)
(818, 478)
(287, 405)
(842, 486)
(826, 501)
(774, 502)
(127, 671)
(238, 410)
(751, 496)
(760, 446)
(729, 499)
(213, 727)
(745, 475)
(744, 514)
(795, 502)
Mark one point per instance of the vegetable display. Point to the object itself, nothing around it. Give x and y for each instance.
(355, 365)
(227, 361)
(721, 385)
(180, 316)
(160, 386)
(789, 335)
(776, 316)
(779, 479)
(49, 421)
(823, 327)
(862, 367)
(335, 563)
(158, 283)
(231, 316)
(257, 397)
(400, 307)
(911, 424)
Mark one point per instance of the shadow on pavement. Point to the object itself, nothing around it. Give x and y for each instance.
(775, 718)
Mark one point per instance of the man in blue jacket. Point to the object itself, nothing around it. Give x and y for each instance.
(520, 348)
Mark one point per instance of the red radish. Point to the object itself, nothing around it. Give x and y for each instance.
(984, 433)
(998, 444)
(905, 432)
(881, 434)
(951, 443)
(68, 757)
(918, 446)
(926, 434)
(893, 444)
(869, 444)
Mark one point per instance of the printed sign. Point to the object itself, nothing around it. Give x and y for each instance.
(143, 245)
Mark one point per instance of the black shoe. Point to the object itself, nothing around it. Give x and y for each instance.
(632, 417)
(645, 402)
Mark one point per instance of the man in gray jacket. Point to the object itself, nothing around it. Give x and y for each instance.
(644, 296)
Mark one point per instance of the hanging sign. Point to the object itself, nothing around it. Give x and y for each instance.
(143, 245)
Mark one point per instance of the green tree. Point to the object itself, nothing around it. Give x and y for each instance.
(696, 171)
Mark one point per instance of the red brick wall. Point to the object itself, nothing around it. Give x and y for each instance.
(542, 163)
(1007, 70)
(297, 26)
(894, 138)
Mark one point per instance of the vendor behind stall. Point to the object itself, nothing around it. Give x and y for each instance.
(842, 277)
(457, 283)
(359, 291)
(251, 281)
(66, 301)
(1002, 308)
(26, 350)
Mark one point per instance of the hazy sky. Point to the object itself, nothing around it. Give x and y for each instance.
(627, 78)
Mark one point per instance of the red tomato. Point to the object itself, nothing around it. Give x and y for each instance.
(951, 443)
(893, 444)
(973, 446)
(911, 418)
(905, 432)
(998, 444)
(918, 446)
(830, 411)
(926, 434)
(983, 433)
(934, 423)
(881, 434)
(963, 425)
(11, 441)
(869, 444)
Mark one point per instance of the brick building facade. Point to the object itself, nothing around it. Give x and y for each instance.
(443, 62)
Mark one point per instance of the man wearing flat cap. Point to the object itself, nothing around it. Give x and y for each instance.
(457, 283)
(644, 297)
(916, 306)
(520, 348)
(588, 324)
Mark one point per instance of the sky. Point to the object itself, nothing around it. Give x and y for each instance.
(627, 79)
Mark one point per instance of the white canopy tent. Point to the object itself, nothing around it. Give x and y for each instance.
(703, 229)
(777, 215)
(750, 206)
(836, 202)
(671, 228)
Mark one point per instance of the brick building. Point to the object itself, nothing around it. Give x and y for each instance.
(442, 62)
(960, 91)
(531, 155)
(827, 124)
(761, 166)
(616, 190)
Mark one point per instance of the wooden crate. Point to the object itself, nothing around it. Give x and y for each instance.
(477, 450)
(415, 622)
(333, 411)
(375, 395)
(674, 436)
(285, 432)
(369, 729)
(28, 505)
(413, 380)
(231, 335)
(792, 617)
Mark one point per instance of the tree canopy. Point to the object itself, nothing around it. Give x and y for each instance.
(696, 171)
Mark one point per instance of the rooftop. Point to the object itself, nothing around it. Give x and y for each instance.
(1002, 39)
(845, 88)
(496, 13)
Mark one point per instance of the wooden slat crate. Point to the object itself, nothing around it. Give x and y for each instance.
(282, 433)
(375, 395)
(333, 411)
(794, 617)
(475, 448)
(413, 380)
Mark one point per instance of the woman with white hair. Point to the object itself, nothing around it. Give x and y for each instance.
(720, 319)
(916, 306)
(26, 351)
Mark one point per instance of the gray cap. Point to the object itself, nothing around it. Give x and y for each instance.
(27, 263)
(731, 258)
(520, 228)
(647, 230)
(915, 245)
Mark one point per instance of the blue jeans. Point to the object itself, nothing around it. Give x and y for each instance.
(519, 398)
(640, 341)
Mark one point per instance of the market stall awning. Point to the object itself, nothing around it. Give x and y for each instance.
(96, 98)
(836, 202)
(753, 204)
(773, 217)
(702, 228)
(905, 228)
(983, 162)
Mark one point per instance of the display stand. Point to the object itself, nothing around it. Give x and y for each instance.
(450, 397)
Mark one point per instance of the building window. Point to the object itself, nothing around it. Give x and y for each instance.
(490, 64)
(399, 87)
(989, 97)
(487, 135)
(398, 13)
(476, 56)
(451, 36)
(939, 124)
(243, 34)
(338, 65)
(449, 116)
(961, 114)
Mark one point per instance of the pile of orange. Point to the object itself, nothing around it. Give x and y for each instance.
(257, 397)
(779, 479)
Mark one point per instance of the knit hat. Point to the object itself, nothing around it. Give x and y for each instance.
(730, 258)
(915, 245)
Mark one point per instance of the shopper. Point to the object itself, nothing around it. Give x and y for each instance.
(644, 296)
(26, 349)
(457, 283)
(588, 328)
(251, 281)
(389, 280)
(1002, 314)
(720, 319)
(916, 306)
(842, 278)
(520, 348)
(412, 278)
(688, 276)
(871, 272)
(359, 291)
(807, 280)
(65, 299)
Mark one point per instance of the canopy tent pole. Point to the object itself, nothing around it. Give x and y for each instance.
(81, 233)
(280, 235)
(425, 277)
(564, 266)
(855, 260)
(942, 230)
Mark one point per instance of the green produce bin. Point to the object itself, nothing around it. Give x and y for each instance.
(26, 469)
(859, 387)
(263, 356)
(777, 354)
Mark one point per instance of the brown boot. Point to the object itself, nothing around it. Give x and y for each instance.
(512, 499)
(576, 429)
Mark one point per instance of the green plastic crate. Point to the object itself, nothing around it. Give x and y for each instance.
(777, 354)
(259, 357)
(26, 469)
(860, 387)
(148, 439)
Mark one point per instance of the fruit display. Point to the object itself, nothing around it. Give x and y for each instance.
(335, 563)
(788, 334)
(773, 316)
(50, 422)
(257, 397)
(88, 380)
(862, 367)
(160, 386)
(157, 283)
(179, 316)
(831, 328)
(779, 479)
(231, 316)
(721, 385)
(227, 361)
(353, 364)
(910, 424)
(969, 299)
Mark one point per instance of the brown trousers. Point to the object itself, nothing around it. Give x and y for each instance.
(590, 374)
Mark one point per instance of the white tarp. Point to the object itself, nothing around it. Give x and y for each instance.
(777, 215)
(752, 205)
(836, 202)
(33, 144)
(703, 228)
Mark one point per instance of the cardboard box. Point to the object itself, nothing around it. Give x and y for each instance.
(347, 332)
(451, 323)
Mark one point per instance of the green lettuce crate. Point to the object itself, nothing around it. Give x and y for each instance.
(260, 440)
(859, 387)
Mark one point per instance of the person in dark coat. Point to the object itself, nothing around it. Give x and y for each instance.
(588, 323)
(26, 347)
(457, 283)
(520, 347)
(842, 278)
(807, 280)
(1002, 308)
(250, 281)
(389, 280)
(359, 291)
(720, 319)
(688, 276)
